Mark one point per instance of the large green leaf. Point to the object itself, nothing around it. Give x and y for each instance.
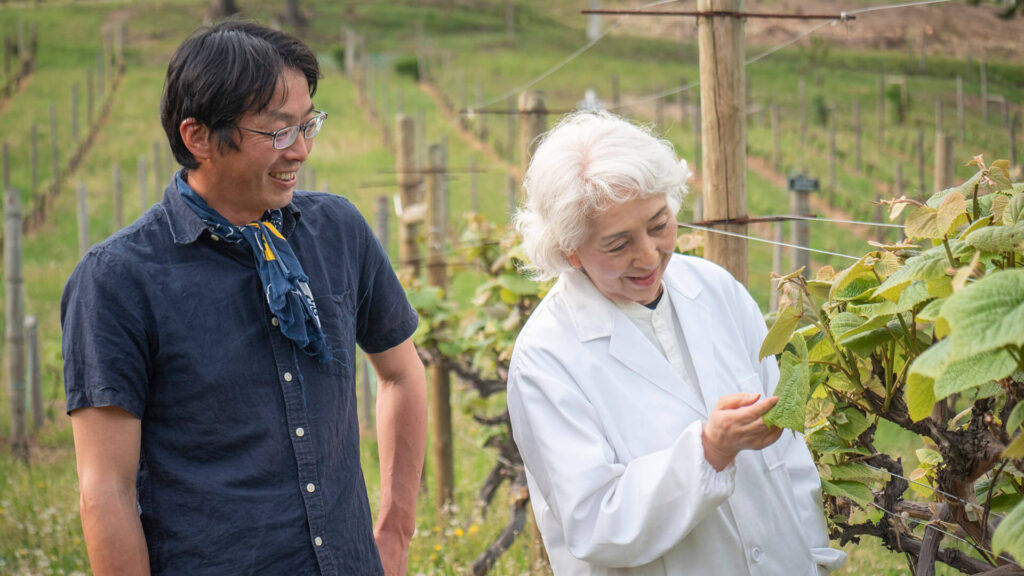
(857, 472)
(937, 223)
(910, 296)
(829, 442)
(851, 423)
(792, 390)
(1000, 239)
(1013, 215)
(987, 314)
(963, 374)
(928, 265)
(1015, 419)
(921, 376)
(966, 190)
(1016, 448)
(872, 334)
(844, 322)
(854, 282)
(780, 332)
(856, 491)
(1009, 536)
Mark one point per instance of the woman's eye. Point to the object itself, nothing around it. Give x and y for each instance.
(618, 247)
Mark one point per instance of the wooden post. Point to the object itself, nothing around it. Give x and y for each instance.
(938, 115)
(35, 380)
(54, 146)
(723, 131)
(420, 145)
(960, 109)
(118, 206)
(83, 220)
(697, 144)
(350, 52)
(74, 114)
(510, 19)
(533, 121)
(14, 311)
(984, 91)
(773, 303)
(922, 186)
(593, 21)
(440, 403)
(143, 196)
(943, 172)
(857, 137)
(7, 59)
(799, 205)
(408, 184)
(776, 138)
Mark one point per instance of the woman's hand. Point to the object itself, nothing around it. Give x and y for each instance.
(735, 424)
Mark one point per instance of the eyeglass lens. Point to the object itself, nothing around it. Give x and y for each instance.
(286, 136)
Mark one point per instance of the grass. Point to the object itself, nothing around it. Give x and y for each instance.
(39, 527)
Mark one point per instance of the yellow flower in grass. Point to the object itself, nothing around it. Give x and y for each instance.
(473, 529)
(437, 547)
(459, 532)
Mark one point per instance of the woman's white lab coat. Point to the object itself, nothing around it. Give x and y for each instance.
(610, 436)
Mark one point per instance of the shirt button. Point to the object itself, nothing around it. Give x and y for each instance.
(755, 554)
(275, 321)
(214, 237)
(318, 541)
(312, 488)
(300, 432)
(287, 376)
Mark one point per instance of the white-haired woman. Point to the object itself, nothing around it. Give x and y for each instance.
(635, 389)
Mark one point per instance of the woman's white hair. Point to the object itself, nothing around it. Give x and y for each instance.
(587, 163)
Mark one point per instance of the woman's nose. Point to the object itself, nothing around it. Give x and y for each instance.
(647, 253)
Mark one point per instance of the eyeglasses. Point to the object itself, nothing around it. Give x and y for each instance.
(286, 136)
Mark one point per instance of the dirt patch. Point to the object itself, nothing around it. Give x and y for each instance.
(950, 28)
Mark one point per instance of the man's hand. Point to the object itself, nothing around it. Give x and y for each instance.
(734, 425)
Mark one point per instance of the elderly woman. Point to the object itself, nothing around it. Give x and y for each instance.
(635, 389)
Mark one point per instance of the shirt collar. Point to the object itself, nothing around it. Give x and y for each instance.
(186, 226)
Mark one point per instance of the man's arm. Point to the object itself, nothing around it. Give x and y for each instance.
(107, 443)
(402, 443)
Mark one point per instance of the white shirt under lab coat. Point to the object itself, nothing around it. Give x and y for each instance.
(610, 435)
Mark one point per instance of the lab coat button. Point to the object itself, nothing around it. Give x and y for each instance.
(755, 554)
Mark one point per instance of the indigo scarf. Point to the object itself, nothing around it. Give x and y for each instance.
(285, 285)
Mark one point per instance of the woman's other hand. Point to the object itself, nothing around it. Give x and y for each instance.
(734, 425)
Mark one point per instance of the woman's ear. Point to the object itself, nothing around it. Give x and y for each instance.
(574, 259)
(196, 137)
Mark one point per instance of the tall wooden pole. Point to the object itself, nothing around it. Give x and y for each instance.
(533, 121)
(35, 380)
(83, 220)
(408, 183)
(14, 311)
(722, 100)
(943, 172)
(440, 384)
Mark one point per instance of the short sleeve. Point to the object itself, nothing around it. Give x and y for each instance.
(105, 343)
(384, 317)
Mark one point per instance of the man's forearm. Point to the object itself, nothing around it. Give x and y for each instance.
(401, 442)
(113, 535)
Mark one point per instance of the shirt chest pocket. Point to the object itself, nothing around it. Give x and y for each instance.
(338, 322)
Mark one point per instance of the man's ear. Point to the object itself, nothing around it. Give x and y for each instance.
(197, 138)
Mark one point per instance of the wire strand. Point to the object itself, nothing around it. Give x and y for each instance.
(891, 6)
(932, 488)
(954, 536)
(838, 221)
(756, 239)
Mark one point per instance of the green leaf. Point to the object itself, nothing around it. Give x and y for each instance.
(855, 491)
(987, 314)
(1009, 536)
(913, 294)
(844, 322)
(858, 472)
(819, 289)
(962, 374)
(936, 224)
(792, 390)
(873, 333)
(780, 332)
(855, 425)
(1015, 419)
(1014, 213)
(1015, 449)
(829, 442)
(996, 238)
(931, 311)
(928, 265)
(921, 376)
(854, 282)
(966, 190)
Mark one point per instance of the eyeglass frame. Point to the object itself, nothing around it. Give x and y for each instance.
(318, 118)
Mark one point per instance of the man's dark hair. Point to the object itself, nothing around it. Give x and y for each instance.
(221, 72)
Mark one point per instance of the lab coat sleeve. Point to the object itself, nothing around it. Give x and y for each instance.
(803, 474)
(614, 514)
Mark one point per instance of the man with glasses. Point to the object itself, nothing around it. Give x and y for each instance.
(209, 347)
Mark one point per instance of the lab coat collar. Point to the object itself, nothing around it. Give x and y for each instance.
(597, 317)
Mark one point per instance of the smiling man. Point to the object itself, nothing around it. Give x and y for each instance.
(209, 347)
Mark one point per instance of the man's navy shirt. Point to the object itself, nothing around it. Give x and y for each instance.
(250, 448)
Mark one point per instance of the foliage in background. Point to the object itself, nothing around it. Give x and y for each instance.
(929, 335)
